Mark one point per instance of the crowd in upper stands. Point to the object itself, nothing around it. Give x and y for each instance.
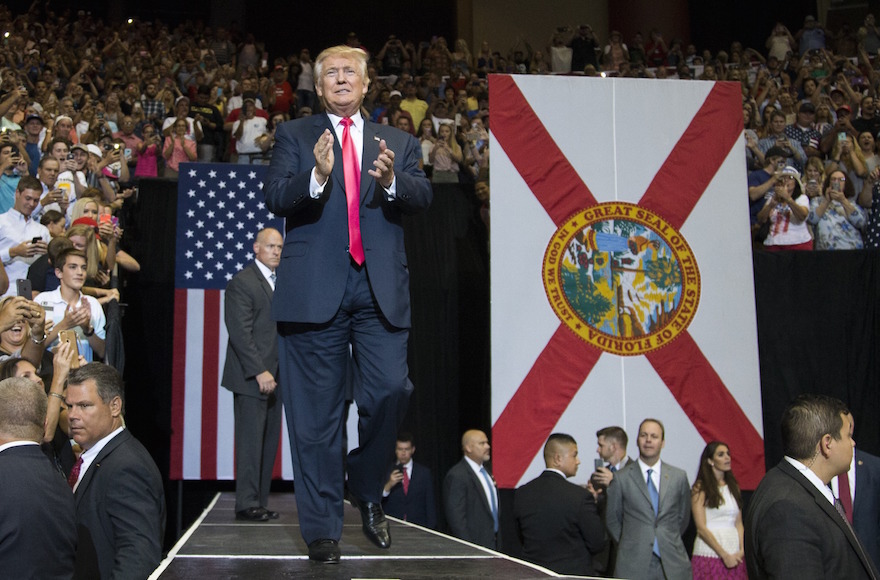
(88, 109)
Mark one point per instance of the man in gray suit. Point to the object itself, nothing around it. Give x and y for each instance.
(648, 509)
(469, 494)
(250, 373)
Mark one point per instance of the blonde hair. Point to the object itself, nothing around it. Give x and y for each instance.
(450, 140)
(342, 50)
(79, 208)
(93, 251)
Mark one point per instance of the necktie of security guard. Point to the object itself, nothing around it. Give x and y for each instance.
(405, 482)
(74, 473)
(655, 503)
(352, 171)
(491, 496)
(845, 497)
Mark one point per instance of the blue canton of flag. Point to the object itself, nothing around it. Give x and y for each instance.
(220, 209)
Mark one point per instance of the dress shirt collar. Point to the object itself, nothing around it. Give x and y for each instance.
(851, 475)
(474, 465)
(357, 121)
(12, 444)
(17, 215)
(812, 478)
(266, 272)
(551, 470)
(621, 464)
(88, 456)
(655, 473)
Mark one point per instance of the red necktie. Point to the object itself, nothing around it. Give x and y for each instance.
(405, 482)
(74, 473)
(845, 497)
(352, 171)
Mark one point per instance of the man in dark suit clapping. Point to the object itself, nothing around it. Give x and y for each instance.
(250, 373)
(343, 184)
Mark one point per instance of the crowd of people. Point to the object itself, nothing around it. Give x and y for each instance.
(88, 109)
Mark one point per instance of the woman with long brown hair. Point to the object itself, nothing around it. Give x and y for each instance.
(716, 504)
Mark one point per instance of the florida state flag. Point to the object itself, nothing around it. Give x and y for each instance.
(621, 270)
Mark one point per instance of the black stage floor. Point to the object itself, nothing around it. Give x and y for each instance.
(218, 546)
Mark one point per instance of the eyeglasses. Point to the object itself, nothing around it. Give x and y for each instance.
(838, 179)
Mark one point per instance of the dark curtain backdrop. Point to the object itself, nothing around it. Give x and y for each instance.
(818, 331)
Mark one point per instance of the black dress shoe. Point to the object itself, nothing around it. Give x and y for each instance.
(375, 525)
(253, 514)
(325, 551)
(272, 515)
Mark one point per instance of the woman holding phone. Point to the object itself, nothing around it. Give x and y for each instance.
(836, 218)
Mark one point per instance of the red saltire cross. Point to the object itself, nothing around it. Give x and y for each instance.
(566, 361)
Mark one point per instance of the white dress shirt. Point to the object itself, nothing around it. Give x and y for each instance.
(16, 228)
(813, 478)
(491, 493)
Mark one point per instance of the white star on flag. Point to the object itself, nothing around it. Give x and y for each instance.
(205, 242)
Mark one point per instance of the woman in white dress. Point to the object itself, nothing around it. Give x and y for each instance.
(716, 505)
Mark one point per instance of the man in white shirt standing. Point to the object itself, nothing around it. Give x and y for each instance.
(22, 240)
(647, 511)
(70, 309)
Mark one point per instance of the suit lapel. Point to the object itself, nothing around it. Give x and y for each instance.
(829, 510)
(861, 482)
(322, 122)
(641, 484)
(96, 464)
(664, 486)
(261, 280)
(371, 152)
(475, 480)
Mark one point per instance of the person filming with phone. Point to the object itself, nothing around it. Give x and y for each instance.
(22, 240)
(837, 219)
(70, 309)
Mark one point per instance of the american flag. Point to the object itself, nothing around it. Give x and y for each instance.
(220, 209)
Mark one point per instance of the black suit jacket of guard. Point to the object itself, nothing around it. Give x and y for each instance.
(793, 531)
(559, 525)
(120, 512)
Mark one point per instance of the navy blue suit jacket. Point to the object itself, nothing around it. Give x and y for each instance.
(866, 509)
(315, 261)
(418, 503)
